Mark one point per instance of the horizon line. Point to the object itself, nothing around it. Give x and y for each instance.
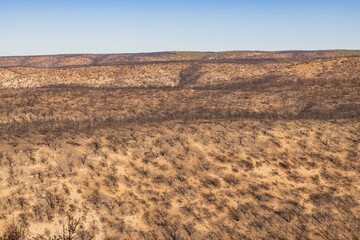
(181, 51)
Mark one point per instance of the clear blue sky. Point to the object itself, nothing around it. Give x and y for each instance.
(107, 26)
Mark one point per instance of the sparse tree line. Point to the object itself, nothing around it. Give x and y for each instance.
(350, 111)
(90, 108)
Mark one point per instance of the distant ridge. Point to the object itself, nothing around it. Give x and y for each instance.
(179, 69)
(67, 60)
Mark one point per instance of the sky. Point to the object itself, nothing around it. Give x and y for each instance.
(40, 27)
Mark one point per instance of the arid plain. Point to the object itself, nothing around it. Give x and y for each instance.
(180, 145)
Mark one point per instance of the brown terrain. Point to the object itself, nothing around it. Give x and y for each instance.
(180, 145)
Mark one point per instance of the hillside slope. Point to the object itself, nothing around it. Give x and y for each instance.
(177, 68)
(235, 145)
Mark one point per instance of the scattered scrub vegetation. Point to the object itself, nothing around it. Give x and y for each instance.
(237, 156)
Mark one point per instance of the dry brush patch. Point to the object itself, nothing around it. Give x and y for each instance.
(239, 179)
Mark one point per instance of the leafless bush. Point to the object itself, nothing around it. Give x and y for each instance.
(14, 232)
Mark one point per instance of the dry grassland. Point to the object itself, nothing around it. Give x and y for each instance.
(237, 145)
